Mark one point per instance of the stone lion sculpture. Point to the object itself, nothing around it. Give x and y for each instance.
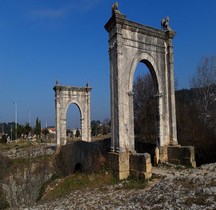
(165, 24)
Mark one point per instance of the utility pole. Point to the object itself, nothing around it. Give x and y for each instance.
(15, 120)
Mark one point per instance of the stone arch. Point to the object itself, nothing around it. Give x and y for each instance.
(148, 60)
(129, 44)
(79, 106)
(64, 97)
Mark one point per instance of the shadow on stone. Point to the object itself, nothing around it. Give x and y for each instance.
(82, 156)
(78, 168)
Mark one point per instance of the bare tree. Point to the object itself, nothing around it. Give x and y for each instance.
(144, 108)
(204, 81)
(196, 111)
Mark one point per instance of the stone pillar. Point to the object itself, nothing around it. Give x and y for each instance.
(57, 113)
(171, 88)
(121, 128)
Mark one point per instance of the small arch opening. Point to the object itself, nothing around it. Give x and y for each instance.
(78, 168)
(73, 126)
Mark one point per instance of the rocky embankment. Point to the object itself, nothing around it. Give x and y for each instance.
(170, 188)
(23, 171)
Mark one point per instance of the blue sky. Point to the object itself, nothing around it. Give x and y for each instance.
(42, 41)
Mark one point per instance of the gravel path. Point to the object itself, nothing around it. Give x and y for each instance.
(171, 188)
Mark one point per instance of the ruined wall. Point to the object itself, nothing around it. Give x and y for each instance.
(82, 156)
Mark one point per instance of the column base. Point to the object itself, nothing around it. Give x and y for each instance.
(179, 155)
(126, 164)
(140, 165)
(182, 155)
(119, 164)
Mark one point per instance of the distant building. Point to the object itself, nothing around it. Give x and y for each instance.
(52, 130)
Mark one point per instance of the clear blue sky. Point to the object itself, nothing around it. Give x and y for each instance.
(44, 41)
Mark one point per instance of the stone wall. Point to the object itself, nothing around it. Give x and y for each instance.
(82, 156)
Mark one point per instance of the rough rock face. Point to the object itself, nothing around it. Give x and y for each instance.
(24, 171)
(27, 169)
(171, 188)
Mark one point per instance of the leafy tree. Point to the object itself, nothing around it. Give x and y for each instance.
(20, 130)
(37, 128)
(77, 133)
(45, 131)
(69, 133)
(27, 128)
(106, 127)
(3, 140)
(95, 126)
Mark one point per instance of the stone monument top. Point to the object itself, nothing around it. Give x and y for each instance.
(165, 24)
(115, 8)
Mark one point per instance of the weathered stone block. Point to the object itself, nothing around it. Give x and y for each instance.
(140, 165)
(163, 154)
(182, 155)
(119, 164)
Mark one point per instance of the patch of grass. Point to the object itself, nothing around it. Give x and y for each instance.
(80, 181)
(43, 187)
(134, 183)
(14, 145)
(100, 181)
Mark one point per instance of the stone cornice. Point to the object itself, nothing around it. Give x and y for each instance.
(72, 88)
(118, 18)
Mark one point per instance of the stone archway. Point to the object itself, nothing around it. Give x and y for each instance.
(129, 44)
(64, 97)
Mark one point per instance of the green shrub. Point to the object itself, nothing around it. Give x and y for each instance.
(3, 140)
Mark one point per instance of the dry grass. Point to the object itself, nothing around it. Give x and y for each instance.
(19, 144)
(78, 181)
